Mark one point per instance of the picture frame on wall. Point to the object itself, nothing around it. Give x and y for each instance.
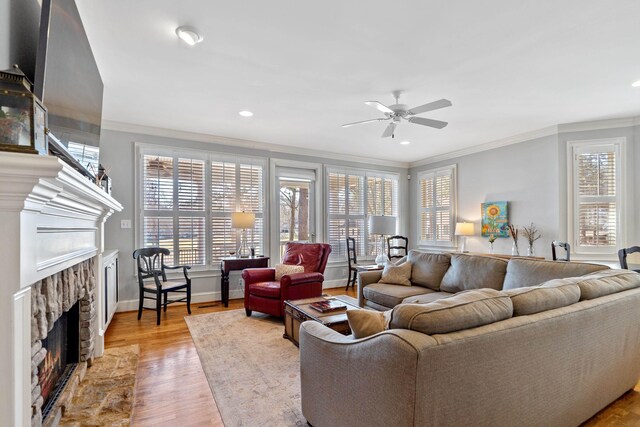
(495, 219)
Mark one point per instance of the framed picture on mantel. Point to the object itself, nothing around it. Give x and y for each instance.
(495, 219)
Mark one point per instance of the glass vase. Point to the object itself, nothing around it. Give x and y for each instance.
(514, 249)
(531, 251)
(491, 250)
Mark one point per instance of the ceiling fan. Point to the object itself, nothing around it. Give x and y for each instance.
(398, 112)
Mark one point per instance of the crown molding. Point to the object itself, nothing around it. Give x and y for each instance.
(599, 124)
(522, 137)
(244, 143)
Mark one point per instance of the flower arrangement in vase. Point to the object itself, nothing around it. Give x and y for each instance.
(532, 234)
(492, 238)
(513, 232)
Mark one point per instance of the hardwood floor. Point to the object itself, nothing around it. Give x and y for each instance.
(172, 389)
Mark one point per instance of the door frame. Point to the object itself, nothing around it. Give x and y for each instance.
(274, 210)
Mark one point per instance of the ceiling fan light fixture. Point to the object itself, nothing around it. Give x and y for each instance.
(189, 35)
(245, 113)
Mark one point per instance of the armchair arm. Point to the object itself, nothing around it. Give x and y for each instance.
(299, 279)
(366, 278)
(253, 275)
(175, 267)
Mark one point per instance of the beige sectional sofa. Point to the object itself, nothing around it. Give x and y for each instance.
(439, 275)
(553, 354)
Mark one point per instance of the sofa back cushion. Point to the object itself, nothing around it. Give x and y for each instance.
(552, 294)
(428, 268)
(464, 310)
(606, 282)
(473, 272)
(523, 272)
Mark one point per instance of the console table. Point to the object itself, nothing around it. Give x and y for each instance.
(233, 263)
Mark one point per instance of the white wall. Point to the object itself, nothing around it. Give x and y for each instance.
(117, 153)
(532, 177)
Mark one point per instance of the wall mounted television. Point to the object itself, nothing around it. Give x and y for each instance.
(67, 78)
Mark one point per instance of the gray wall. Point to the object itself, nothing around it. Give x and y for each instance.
(532, 177)
(117, 152)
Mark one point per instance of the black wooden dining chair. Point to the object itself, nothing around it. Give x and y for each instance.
(622, 255)
(352, 259)
(151, 266)
(399, 245)
(564, 245)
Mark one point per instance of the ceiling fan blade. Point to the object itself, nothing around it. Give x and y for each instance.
(362, 122)
(389, 130)
(435, 105)
(379, 106)
(428, 122)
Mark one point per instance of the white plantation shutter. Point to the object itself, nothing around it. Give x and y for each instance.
(597, 199)
(351, 197)
(437, 206)
(188, 201)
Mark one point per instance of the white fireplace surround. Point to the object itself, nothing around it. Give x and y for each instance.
(52, 218)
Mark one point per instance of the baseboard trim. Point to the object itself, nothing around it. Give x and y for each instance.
(132, 305)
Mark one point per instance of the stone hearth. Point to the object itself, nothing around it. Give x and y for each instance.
(50, 297)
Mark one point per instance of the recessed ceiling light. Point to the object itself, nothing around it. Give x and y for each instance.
(245, 113)
(636, 83)
(405, 143)
(189, 35)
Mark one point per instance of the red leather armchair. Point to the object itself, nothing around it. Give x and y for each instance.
(264, 294)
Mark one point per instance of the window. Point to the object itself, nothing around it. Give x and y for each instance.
(437, 206)
(178, 214)
(352, 197)
(596, 208)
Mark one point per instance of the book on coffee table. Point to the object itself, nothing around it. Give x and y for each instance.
(327, 305)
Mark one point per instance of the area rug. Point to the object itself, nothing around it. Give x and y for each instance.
(106, 394)
(253, 372)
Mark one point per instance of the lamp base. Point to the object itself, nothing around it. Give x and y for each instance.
(243, 249)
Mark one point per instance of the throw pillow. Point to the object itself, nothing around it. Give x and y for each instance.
(284, 269)
(364, 323)
(397, 274)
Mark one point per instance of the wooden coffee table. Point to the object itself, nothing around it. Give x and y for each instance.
(298, 311)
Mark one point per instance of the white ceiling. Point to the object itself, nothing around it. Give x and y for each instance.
(304, 68)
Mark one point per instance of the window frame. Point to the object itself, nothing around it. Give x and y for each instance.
(143, 149)
(573, 199)
(438, 244)
(335, 257)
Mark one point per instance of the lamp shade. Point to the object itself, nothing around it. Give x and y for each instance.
(464, 229)
(243, 220)
(382, 225)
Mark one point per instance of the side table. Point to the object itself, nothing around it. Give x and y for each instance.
(233, 263)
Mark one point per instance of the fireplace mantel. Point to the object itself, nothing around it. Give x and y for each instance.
(52, 218)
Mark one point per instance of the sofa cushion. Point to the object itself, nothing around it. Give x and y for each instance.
(426, 298)
(391, 295)
(607, 282)
(555, 293)
(364, 323)
(397, 274)
(427, 268)
(282, 269)
(523, 272)
(468, 309)
(473, 272)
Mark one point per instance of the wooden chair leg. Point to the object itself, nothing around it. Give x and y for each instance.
(165, 301)
(189, 299)
(247, 312)
(158, 306)
(140, 304)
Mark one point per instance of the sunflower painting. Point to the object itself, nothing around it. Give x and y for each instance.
(495, 219)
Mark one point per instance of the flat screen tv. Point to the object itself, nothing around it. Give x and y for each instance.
(67, 78)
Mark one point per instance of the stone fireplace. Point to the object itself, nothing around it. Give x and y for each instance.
(52, 245)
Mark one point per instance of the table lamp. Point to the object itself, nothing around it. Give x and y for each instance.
(382, 225)
(243, 221)
(464, 229)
